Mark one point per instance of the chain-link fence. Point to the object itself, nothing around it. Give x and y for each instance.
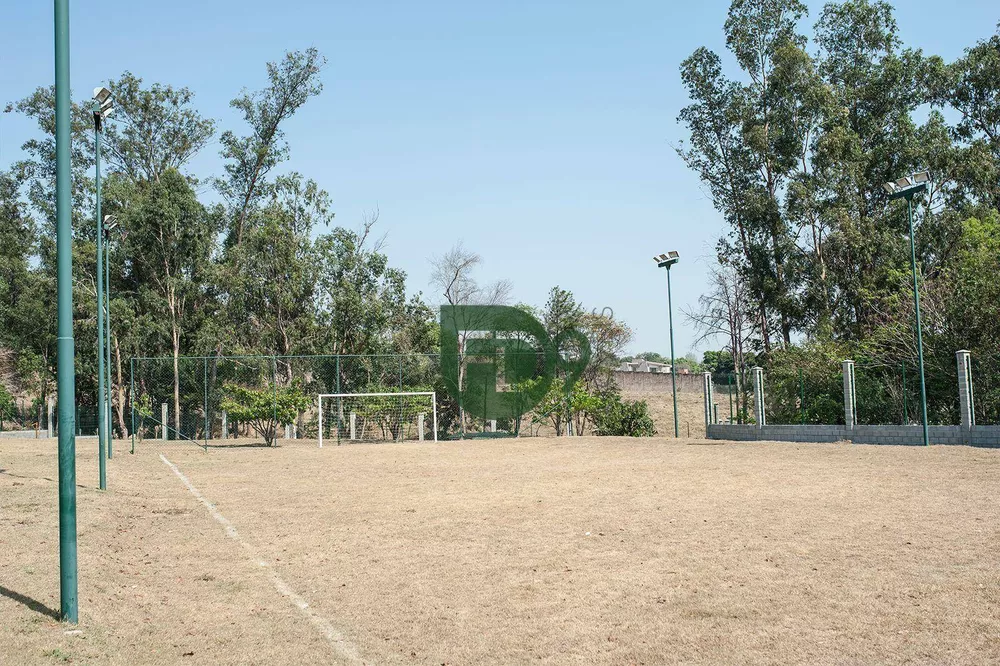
(986, 389)
(220, 400)
(805, 395)
(734, 398)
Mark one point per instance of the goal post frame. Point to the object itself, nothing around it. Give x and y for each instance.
(432, 394)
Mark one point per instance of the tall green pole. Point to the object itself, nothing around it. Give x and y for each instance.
(673, 365)
(916, 305)
(65, 373)
(102, 396)
(107, 344)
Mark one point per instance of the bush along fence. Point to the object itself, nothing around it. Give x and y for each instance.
(860, 392)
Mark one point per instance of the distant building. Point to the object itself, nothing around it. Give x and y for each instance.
(642, 365)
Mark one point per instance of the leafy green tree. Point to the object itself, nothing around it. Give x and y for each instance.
(251, 158)
(170, 245)
(153, 130)
(265, 409)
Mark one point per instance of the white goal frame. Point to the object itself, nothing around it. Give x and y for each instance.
(432, 394)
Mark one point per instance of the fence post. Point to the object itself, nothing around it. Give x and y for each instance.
(850, 396)
(163, 420)
(758, 396)
(353, 420)
(966, 397)
(706, 382)
(225, 425)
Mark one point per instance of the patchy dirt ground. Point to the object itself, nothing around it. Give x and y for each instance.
(584, 551)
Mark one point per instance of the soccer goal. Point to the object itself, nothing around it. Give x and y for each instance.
(378, 417)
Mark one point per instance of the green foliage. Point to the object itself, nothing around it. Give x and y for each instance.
(820, 384)
(265, 409)
(616, 417)
(8, 410)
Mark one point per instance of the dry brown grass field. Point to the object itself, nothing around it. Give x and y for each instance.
(550, 551)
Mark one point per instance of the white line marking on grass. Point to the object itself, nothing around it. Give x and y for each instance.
(344, 648)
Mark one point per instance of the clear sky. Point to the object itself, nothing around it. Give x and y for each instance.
(540, 132)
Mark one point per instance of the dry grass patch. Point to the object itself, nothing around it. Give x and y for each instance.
(582, 550)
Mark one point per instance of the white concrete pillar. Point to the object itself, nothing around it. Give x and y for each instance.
(225, 425)
(420, 426)
(966, 397)
(51, 407)
(163, 420)
(850, 396)
(707, 389)
(757, 374)
(493, 425)
(354, 423)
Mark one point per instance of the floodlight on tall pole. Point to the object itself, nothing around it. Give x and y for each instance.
(906, 188)
(666, 261)
(101, 107)
(65, 352)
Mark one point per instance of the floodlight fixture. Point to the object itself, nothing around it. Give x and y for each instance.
(103, 105)
(907, 186)
(110, 224)
(667, 260)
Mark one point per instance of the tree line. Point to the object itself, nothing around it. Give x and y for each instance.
(249, 262)
(793, 147)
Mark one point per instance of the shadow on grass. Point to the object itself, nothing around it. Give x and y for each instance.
(30, 603)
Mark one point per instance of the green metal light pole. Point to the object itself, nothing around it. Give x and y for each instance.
(666, 261)
(102, 412)
(65, 373)
(101, 107)
(107, 332)
(906, 188)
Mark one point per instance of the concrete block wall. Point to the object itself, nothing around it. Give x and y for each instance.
(986, 436)
(983, 436)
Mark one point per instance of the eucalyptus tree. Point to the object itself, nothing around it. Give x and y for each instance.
(153, 129)
(172, 238)
(250, 159)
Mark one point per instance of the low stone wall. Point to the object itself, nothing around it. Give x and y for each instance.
(984, 436)
(655, 382)
(778, 433)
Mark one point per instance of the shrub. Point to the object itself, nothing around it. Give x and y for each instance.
(264, 409)
(623, 418)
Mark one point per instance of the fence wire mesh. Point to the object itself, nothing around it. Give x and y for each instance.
(217, 401)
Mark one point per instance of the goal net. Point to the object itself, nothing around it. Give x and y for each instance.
(377, 417)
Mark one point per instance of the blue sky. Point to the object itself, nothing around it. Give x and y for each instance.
(540, 133)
